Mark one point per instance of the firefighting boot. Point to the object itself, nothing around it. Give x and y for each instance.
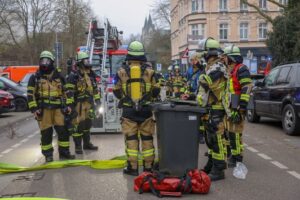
(207, 168)
(66, 155)
(87, 145)
(130, 171)
(78, 145)
(231, 162)
(216, 174)
(147, 169)
(49, 158)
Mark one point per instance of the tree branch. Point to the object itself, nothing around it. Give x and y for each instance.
(261, 12)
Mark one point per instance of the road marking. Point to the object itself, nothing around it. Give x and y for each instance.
(245, 145)
(1, 155)
(7, 151)
(278, 164)
(295, 174)
(264, 156)
(30, 136)
(25, 140)
(252, 149)
(37, 132)
(16, 145)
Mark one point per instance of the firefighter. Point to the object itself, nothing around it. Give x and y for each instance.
(193, 74)
(178, 82)
(135, 86)
(198, 68)
(45, 91)
(84, 97)
(238, 90)
(211, 89)
(168, 79)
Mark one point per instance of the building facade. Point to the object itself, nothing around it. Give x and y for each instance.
(229, 21)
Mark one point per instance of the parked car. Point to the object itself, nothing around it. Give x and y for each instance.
(278, 97)
(6, 100)
(25, 80)
(19, 93)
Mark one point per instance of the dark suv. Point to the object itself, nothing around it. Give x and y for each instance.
(278, 96)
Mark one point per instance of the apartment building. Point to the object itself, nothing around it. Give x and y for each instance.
(229, 21)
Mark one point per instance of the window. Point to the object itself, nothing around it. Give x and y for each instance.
(263, 4)
(283, 2)
(223, 31)
(244, 31)
(262, 30)
(223, 5)
(243, 6)
(197, 29)
(197, 5)
(201, 5)
(283, 75)
(270, 79)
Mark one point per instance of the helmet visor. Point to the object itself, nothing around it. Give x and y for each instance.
(86, 62)
(45, 61)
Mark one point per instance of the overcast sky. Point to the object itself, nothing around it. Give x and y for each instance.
(127, 15)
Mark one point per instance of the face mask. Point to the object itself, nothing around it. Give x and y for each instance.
(46, 65)
(86, 63)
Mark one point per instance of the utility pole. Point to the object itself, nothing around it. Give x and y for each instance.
(56, 49)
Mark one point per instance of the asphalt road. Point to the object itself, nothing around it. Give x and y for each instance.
(272, 158)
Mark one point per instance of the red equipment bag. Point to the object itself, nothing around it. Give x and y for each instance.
(193, 181)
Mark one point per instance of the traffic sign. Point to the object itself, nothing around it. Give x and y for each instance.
(158, 67)
(185, 53)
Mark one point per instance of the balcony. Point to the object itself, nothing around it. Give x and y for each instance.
(194, 39)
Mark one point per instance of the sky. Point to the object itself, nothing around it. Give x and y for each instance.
(127, 15)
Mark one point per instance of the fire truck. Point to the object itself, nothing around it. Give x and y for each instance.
(106, 55)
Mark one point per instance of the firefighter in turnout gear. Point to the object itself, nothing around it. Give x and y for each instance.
(168, 79)
(46, 100)
(84, 97)
(198, 68)
(178, 82)
(193, 74)
(211, 90)
(135, 86)
(237, 96)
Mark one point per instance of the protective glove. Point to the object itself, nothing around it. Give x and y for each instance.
(235, 116)
(92, 114)
(38, 115)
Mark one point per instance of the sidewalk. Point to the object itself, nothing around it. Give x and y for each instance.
(13, 118)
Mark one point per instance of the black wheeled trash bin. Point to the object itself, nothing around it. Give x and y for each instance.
(177, 137)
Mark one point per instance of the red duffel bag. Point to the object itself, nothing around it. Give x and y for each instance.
(194, 181)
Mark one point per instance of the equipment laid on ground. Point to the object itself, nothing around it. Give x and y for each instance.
(106, 56)
(160, 184)
(177, 136)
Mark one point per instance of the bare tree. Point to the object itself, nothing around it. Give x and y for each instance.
(29, 26)
(161, 10)
(25, 20)
(260, 11)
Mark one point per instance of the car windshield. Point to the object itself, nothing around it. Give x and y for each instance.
(9, 82)
(116, 62)
(25, 80)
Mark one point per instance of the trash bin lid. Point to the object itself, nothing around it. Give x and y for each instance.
(178, 108)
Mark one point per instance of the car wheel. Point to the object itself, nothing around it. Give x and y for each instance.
(252, 116)
(290, 121)
(21, 104)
